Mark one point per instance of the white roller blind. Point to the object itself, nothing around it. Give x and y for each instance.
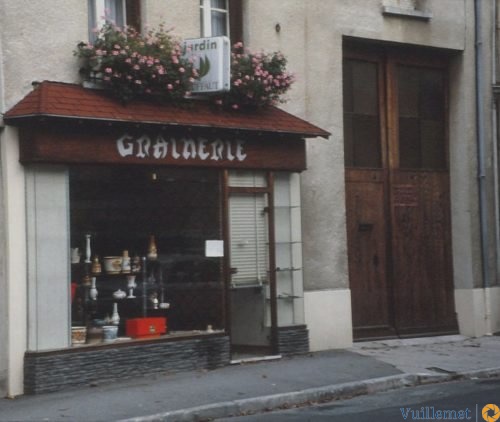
(249, 238)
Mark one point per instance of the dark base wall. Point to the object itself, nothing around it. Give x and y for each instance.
(57, 370)
(293, 340)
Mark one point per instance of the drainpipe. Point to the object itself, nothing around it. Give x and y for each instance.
(494, 126)
(480, 159)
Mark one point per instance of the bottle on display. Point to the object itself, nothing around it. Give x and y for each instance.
(87, 249)
(96, 266)
(126, 264)
(136, 264)
(115, 317)
(93, 289)
(152, 250)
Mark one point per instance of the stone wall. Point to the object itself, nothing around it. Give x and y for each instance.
(293, 340)
(90, 365)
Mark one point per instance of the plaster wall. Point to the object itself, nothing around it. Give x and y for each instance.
(4, 333)
(464, 171)
(38, 41)
(311, 37)
(182, 16)
(328, 318)
(39, 37)
(15, 325)
(3, 278)
(478, 311)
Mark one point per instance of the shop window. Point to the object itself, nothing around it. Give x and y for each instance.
(161, 219)
(221, 17)
(288, 249)
(120, 12)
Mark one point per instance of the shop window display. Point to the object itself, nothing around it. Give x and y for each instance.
(138, 238)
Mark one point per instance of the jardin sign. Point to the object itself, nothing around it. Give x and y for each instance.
(211, 59)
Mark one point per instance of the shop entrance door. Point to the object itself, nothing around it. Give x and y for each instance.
(397, 194)
(250, 308)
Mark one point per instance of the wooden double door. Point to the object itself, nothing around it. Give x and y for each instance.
(397, 193)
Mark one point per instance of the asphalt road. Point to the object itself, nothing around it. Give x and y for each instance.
(462, 400)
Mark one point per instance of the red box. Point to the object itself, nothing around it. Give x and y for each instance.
(146, 327)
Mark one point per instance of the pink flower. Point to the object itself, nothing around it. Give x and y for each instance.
(108, 70)
(138, 82)
(182, 70)
(235, 106)
(170, 87)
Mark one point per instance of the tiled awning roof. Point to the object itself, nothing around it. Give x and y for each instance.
(69, 101)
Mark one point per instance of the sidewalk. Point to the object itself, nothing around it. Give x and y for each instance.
(362, 369)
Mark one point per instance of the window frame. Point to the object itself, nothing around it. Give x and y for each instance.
(206, 10)
(129, 9)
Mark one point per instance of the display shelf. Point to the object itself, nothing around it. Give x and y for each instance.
(258, 284)
(278, 269)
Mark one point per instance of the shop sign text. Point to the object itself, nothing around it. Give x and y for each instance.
(160, 147)
(211, 58)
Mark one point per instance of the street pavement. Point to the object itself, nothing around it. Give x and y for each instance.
(454, 400)
(365, 368)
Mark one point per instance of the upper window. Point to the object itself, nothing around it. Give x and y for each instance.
(221, 17)
(214, 18)
(119, 12)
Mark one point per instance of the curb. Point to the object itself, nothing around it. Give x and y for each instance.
(297, 398)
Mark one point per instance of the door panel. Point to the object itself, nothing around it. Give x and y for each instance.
(249, 262)
(421, 252)
(367, 240)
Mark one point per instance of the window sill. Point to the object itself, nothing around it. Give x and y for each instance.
(423, 15)
(127, 342)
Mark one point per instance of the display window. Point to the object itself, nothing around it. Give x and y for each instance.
(142, 243)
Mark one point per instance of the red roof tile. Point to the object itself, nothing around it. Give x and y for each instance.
(62, 100)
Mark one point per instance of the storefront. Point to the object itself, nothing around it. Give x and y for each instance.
(165, 238)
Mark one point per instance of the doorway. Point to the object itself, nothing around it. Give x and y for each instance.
(397, 193)
(251, 285)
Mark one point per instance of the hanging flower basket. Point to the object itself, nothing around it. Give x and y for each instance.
(133, 65)
(257, 79)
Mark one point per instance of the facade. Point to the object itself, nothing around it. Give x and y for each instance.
(389, 229)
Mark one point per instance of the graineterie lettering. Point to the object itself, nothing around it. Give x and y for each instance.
(160, 147)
